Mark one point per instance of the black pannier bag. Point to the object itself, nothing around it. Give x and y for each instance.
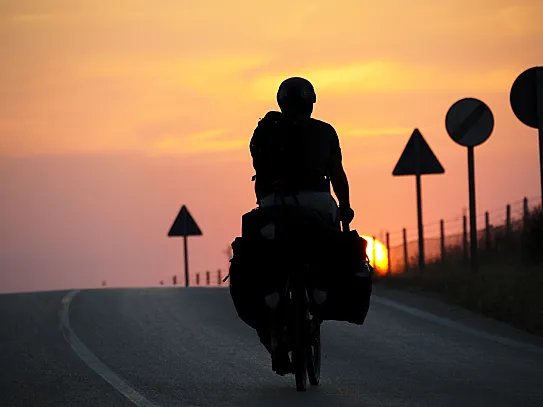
(272, 239)
(246, 282)
(347, 279)
(260, 259)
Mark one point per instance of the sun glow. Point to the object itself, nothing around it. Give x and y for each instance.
(378, 255)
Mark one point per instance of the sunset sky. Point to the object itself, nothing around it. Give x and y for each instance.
(113, 114)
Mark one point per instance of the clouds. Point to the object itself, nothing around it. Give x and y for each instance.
(101, 75)
(214, 140)
(386, 77)
(134, 107)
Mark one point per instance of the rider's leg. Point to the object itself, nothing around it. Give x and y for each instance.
(271, 339)
(270, 334)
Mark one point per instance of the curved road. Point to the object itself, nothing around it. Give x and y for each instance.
(186, 347)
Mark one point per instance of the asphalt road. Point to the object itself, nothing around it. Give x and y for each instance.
(186, 347)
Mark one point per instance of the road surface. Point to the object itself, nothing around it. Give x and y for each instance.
(186, 347)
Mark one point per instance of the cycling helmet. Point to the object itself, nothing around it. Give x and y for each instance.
(296, 94)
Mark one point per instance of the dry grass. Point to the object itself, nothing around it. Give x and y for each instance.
(508, 285)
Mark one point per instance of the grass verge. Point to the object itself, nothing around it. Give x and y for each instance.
(508, 285)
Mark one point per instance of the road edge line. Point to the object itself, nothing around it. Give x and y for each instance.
(455, 325)
(92, 360)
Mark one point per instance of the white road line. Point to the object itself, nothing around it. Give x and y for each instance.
(455, 325)
(92, 361)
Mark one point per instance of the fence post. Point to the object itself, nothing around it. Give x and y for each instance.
(508, 221)
(197, 278)
(207, 278)
(405, 259)
(219, 277)
(442, 234)
(487, 230)
(465, 236)
(526, 212)
(374, 251)
(389, 267)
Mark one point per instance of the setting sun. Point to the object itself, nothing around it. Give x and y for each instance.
(380, 264)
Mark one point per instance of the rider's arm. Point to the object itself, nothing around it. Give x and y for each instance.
(255, 149)
(340, 184)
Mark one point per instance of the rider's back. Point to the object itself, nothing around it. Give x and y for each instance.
(299, 148)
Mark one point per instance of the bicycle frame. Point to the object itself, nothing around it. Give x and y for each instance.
(303, 332)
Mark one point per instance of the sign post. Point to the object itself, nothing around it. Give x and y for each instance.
(418, 159)
(526, 98)
(184, 225)
(470, 123)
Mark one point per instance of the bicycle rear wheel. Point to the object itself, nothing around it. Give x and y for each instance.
(299, 330)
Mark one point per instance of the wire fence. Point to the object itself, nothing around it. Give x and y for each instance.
(446, 239)
(206, 279)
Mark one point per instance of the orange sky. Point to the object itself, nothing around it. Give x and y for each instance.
(114, 114)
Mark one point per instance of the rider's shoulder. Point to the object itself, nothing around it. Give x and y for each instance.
(271, 115)
(265, 122)
(323, 126)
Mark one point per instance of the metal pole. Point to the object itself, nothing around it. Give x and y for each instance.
(525, 213)
(374, 253)
(539, 102)
(508, 220)
(185, 244)
(541, 152)
(405, 258)
(389, 266)
(472, 210)
(442, 233)
(419, 216)
(465, 237)
(487, 230)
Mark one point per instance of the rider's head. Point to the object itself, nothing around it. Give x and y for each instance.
(296, 96)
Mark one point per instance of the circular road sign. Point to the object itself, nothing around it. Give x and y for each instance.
(469, 122)
(523, 96)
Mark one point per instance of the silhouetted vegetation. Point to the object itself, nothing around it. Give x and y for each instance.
(508, 285)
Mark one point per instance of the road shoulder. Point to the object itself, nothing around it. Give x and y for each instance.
(434, 305)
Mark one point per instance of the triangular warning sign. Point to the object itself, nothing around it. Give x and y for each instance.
(417, 158)
(184, 225)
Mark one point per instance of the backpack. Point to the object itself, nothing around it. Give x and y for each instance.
(277, 150)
